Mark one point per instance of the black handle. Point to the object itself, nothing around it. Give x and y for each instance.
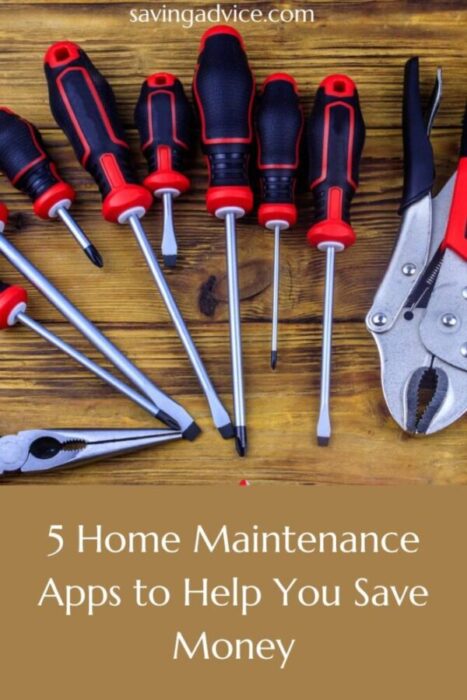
(84, 106)
(279, 123)
(419, 166)
(224, 92)
(28, 166)
(164, 118)
(336, 134)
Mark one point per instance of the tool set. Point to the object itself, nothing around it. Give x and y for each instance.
(418, 313)
(84, 107)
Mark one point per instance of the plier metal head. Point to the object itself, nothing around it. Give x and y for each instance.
(42, 450)
(419, 314)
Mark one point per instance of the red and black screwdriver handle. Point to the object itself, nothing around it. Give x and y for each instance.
(279, 124)
(84, 107)
(164, 119)
(455, 237)
(28, 166)
(224, 91)
(336, 133)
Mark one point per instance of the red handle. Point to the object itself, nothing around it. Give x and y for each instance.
(456, 230)
(3, 217)
(13, 300)
(224, 91)
(84, 107)
(164, 119)
(336, 132)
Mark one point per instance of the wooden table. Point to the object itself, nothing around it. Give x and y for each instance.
(41, 388)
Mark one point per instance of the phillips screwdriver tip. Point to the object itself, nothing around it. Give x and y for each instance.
(240, 440)
(274, 359)
(94, 255)
(170, 260)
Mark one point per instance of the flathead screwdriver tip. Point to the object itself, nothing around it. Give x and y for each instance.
(274, 359)
(94, 255)
(227, 431)
(241, 440)
(323, 429)
(170, 260)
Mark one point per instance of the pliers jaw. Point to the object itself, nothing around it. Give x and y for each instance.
(43, 450)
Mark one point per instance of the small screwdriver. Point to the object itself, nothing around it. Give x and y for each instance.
(224, 91)
(279, 124)
(30, 169)
(336, 133)
(164, 119)
(84, 106)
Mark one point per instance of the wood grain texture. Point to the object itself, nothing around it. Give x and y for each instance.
(41, 388)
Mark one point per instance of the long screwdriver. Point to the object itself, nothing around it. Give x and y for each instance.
(279, 124)
(164, 119)
(336, 133)
(167, 410)
(13, 307)
(84, 106)
(30, 169)
(224, 91)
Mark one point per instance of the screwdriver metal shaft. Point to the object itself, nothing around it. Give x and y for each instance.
(323, 427)
(219, 414)
(235, 333)
(79, 236)
(169, 239)
(275, 296)
(86, 362)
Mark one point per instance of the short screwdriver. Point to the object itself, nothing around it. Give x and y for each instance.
(224, 91)
(336, 133)
(164, 119)
(30, 169)
(84, 106)
(279, 124)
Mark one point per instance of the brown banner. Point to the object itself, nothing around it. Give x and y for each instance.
(209, 593)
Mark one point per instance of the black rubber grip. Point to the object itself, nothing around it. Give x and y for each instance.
(463, 149)
(23, 157)
(164, 117)
(336, 134)
(224, 93)
(419, 166)
(84, 106)
(279, 122)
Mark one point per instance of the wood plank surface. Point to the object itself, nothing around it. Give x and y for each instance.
(40, 388)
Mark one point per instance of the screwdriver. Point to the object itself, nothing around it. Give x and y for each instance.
(30, 169)
(13, 306)
(166, 409)
(84, 106)
(336, 133)
(279, 124)
(224, 91)
(164, 119)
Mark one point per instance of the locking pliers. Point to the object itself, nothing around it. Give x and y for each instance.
(419, 315)
(43, 450)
